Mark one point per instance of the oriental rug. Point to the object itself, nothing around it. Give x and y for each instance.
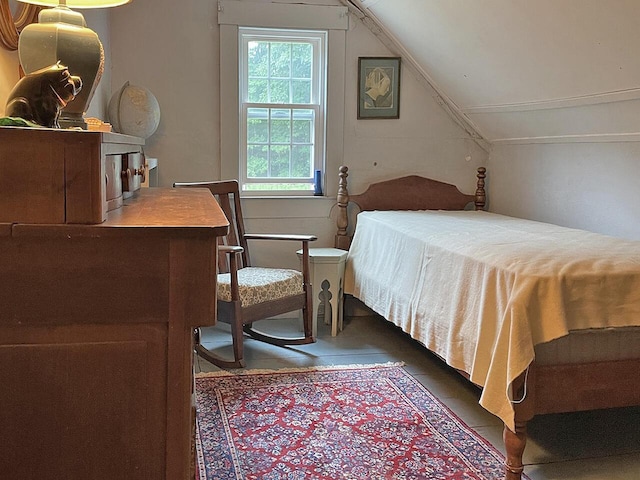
(345, 422)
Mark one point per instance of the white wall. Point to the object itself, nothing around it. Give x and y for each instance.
(522, 69)
(171, 48)
(554, 86)
(174, 52)
(592, 186)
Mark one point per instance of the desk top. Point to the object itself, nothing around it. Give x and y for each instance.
(153, 211)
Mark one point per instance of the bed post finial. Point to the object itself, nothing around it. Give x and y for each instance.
(481, 196)
(341, 240)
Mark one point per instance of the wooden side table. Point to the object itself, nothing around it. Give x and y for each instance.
(327, 278)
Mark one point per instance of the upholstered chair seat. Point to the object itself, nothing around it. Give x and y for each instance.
(259, 285)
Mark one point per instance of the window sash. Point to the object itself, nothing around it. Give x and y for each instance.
(292, 137)
(260, 184)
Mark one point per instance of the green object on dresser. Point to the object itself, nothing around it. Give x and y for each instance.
(17, 122)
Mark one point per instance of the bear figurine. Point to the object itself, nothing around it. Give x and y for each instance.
(40, 96)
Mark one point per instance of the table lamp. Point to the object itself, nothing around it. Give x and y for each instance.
(61, 34)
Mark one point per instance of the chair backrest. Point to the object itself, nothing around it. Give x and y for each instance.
(227, 194)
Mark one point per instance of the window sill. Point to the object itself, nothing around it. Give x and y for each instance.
(286, 197)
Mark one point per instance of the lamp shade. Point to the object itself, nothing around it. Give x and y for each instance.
(78, 3)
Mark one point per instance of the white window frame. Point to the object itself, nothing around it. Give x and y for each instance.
(318, 40)
(234, 14)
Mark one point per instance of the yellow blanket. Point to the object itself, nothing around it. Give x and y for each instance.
(481, 289)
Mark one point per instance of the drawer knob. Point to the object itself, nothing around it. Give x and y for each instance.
(142, 172)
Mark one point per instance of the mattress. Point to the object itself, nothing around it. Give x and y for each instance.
(587, 346)
(486, 292)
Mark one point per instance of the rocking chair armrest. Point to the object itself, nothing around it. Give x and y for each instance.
(230, 249)
(233, 251)
(280, 236)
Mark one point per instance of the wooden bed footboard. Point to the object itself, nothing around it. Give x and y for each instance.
(406, 193)
(567, 388)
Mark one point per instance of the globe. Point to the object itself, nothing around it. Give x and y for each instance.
(134, 110)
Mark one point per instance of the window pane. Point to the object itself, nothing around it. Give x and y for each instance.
(280, 161)
(258, 59)
(301, 161)
(301, 59)
(281, 126)
(258, 90)
(279, 91)
(257, 125)
(301, 91)
(257, 161)
(280, 59)
(302, 126)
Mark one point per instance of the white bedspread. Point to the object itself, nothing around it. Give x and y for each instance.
(481, 289)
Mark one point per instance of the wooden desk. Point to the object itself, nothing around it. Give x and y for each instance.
(96, 347)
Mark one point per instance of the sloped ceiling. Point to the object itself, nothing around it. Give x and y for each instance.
(523, 71)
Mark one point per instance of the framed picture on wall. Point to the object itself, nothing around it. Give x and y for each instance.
(378, 87)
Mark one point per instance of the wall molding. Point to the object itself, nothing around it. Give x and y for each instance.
(570, 102)
(282, 15)
(587, 138)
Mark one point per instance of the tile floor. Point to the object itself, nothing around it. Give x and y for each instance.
(597, 445)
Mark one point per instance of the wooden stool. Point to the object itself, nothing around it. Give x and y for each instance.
(326, 267)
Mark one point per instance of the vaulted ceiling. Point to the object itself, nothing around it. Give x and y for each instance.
(522, 71)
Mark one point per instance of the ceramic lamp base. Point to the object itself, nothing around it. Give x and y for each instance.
(61, 35)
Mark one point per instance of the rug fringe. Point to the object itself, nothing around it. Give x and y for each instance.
(354, 366)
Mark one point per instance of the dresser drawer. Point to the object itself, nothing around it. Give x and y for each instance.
(113, 179)
(133, 173)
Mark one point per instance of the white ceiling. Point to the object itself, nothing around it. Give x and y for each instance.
(523, 70)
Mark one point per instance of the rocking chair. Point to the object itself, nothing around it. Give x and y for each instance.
(247, 294)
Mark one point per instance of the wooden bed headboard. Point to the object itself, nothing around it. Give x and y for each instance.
(406, 193)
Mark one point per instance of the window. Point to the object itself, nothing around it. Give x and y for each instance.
(263, 135)
(282, 103)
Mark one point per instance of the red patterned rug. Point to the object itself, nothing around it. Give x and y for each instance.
(354, 422)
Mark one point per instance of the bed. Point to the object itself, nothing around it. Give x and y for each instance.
(545, 319)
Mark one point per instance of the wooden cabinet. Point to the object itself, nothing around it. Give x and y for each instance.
(96, 325)
(66, 176)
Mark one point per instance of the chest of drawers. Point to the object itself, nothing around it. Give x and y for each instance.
(96, 338)
(66, 176)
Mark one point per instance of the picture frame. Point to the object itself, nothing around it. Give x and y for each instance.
(378, 87)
